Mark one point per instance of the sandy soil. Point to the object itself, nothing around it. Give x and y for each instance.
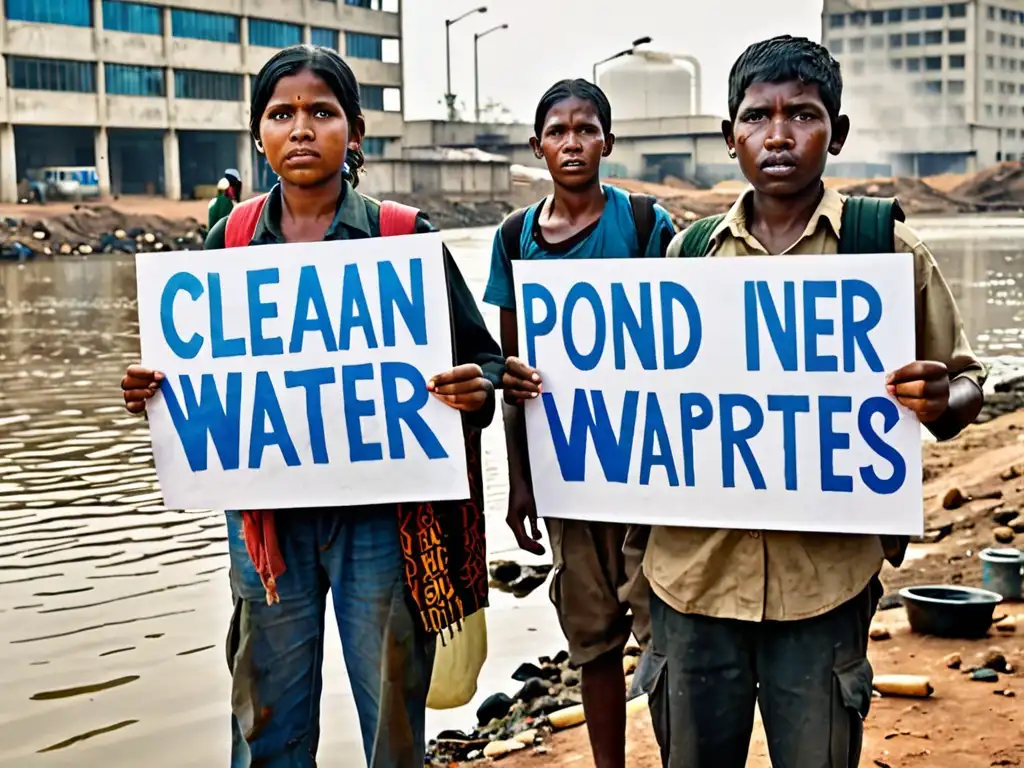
(965, 724)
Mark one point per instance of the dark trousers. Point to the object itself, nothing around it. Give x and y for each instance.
(810, 678)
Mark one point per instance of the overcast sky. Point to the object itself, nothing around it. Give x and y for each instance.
(551, 39)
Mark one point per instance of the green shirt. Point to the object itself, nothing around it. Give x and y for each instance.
(358, 217)
(218, 209)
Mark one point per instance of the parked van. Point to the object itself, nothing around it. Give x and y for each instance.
(69, 181)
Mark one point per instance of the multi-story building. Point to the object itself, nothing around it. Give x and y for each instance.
(155, 95)
(934, 87)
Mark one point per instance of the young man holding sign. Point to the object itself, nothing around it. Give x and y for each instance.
(782, 618)
(397, 574)
(597, 577)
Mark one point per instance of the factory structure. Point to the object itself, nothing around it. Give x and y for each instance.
(152, 98)
(934, 87)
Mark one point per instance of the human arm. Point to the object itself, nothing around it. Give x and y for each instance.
(944, 385)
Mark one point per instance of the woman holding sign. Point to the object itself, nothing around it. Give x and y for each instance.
(306, 120)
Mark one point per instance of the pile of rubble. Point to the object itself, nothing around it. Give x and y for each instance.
(549, 700)
(90, 229)
(999, 188)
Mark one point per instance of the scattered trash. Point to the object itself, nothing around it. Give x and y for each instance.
(953, 661)
(910, 686)
(985, 675)
(879, 633)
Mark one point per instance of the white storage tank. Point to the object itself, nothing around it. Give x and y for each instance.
(651, 84)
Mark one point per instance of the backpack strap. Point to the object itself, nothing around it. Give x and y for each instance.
(697, 236)
(512, 233)
(643, 218)
(242, 222)
(397, 219)
(867, 225)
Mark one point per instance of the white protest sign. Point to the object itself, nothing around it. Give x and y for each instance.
(723, 392)
(296, 374)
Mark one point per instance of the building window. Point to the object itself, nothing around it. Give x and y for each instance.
(877, 17)
(933, 63)
(896, 65)
(74, 13)
(328, 38)
(958, 10)
(895, 15)
(51, 75)
(990, 86)
(132, 17)
(913, 38)
(933, 11)
(836, 46)
(958, 113)
(375, 146)
(200, 25)
(895, 41)
(129, 80)
(990, 62)
(958, 35)
(955, 87)
(989, 111)
(380, 97)
(857, 18)
(913, 14)
(274, 34)
(933, 86)
(373, 5)
(363, 46)
(991, 13)
(212, 86)
(371, 96)
(856, 45)
(957, 61)
(835, 21)
(877, 42)
(990, 36)
(913, 65)
(933, 37)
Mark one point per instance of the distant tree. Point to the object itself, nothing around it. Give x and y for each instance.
(496, 112)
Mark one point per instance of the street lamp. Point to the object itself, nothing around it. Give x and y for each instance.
(628, 52)
(449, 97)
(476, 65)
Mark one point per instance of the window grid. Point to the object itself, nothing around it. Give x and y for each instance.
(325, 37)
(201, 25)
(209, 86)
(132, 17)
(362, 46)
(51, 75)
(274, 34)
(132, 80)
(73, 13)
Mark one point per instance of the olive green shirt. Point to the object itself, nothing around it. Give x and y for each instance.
(777, 575)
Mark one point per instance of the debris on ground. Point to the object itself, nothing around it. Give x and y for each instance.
(97, 228)
(997, 188)
(516, 578)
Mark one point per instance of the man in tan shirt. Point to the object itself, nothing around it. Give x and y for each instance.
(783, 618)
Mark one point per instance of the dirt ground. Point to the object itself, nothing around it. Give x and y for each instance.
(964, 724)
(140, 205)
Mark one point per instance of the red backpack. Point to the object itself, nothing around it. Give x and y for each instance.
(450, 533)
(395, 219)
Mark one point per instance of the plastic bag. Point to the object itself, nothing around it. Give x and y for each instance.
(457, 664)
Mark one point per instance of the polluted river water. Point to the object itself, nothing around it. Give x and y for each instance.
(114, 609)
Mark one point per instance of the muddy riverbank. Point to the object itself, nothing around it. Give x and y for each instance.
(113, 608)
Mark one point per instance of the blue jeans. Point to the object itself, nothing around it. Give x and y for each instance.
(276, 652)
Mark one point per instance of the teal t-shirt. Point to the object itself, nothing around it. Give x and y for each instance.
(613, 236)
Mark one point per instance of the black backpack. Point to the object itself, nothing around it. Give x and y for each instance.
(643, 217)
(867, 227)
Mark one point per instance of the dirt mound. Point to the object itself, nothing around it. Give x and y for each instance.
(454, 214)
(98, 229)
(915, 196)
(998, 187)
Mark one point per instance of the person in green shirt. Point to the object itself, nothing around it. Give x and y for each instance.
(221, 206)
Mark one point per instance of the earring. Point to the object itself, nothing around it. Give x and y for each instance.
(732, 153)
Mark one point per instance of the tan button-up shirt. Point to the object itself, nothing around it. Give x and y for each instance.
(779, 576)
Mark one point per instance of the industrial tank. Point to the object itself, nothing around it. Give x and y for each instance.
(651, 84)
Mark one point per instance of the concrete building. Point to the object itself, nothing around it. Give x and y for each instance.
(155, 94)
(650, 148)
(933, 87)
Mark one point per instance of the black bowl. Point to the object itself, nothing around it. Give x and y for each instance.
(950, 611)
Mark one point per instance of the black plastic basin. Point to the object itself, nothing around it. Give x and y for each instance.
(950, 611)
